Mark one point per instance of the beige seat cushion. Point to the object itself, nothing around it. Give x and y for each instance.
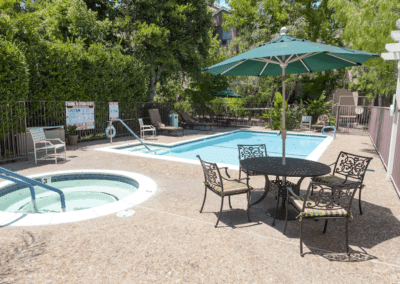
(232, 187)
(298, 202)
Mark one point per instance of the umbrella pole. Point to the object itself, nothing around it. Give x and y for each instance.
(283, 131)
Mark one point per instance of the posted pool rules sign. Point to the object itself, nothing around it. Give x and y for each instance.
(114, 112)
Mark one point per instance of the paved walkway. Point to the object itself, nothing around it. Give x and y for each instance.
(167, 240)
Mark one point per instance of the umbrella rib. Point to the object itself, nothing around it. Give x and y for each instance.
(233, 66)
(301, 60)
(338, 57)
(265, 66)
(264, 60)
(303, 56)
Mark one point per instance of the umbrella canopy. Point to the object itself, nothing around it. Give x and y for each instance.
(288, 55)
(227, 94)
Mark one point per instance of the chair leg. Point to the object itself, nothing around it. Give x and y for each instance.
(359, 202)
(220, 211)
(248, 206)
(347, 237)
(276, 212)
(204, 200)
(230, 205)
(326, 225)
(301, 239)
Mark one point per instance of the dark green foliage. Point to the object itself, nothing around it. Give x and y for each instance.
(14, 76)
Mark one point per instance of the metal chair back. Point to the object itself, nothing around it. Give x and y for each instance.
(252, 151)
(212, 176)
(351, 166)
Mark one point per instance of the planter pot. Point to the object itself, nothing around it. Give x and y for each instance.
(72, 140)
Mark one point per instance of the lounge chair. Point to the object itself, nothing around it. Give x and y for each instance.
(189, 121)
(323, 120)
(157, 123)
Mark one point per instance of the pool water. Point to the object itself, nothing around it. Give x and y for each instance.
(223, 149)
(81, 191)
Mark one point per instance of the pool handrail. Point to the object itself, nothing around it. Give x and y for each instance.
(33, 182)
(133, 133)
(20, 182)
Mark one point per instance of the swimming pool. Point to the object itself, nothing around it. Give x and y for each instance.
(222, 148)
(88, 194)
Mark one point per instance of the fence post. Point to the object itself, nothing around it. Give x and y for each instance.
(395, 126)
(337, 118)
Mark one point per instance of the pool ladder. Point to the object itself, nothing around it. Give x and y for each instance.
(22, 180)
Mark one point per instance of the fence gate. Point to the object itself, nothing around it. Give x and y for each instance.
(353, 116)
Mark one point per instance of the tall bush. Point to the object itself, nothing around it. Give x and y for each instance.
(14, 76)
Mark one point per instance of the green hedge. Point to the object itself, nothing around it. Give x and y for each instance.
(14, 75)
(67, 71)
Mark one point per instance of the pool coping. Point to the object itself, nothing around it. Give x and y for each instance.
(147, 188)
(313, 156)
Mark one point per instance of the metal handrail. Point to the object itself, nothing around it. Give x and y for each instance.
(30, 182)
(17, 181)
(133, 133)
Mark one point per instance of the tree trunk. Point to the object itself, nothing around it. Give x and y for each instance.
(153, 82)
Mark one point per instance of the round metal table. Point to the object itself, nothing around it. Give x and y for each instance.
(293, 167)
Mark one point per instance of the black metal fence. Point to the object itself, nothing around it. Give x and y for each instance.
(16, 117)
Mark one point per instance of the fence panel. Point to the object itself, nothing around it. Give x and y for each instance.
(396, 162)
(380, 131)
(13, 144)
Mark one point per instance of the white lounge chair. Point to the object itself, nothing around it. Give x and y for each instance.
(39, 137)
(146, 128)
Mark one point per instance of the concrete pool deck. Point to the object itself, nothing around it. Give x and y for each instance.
(167, 240)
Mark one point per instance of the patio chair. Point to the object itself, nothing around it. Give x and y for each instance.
(157, 123)
(38, 137)
(322, 121)
(305, 122)
(351, 167)
(146, 128)
(254, 151)
(214, 181)
(330, 201)
(189, 121)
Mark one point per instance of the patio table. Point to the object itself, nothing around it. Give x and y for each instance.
(294, 167)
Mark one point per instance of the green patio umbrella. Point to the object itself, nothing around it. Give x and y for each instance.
(288, 55)
(227, 94)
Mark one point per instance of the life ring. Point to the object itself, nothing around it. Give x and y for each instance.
(327, 133)
(113, 132)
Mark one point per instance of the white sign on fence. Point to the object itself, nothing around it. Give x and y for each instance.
(80, 114)
(114, 112)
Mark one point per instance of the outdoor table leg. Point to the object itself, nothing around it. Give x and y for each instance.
(279, 212)
(266, 189)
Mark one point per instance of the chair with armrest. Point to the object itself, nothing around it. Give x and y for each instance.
(305, 122)
(215, 182)
(146, 128)
(40, 142)
(348, 168)
(329, 201)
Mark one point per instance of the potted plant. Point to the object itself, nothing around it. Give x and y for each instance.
(72, 136)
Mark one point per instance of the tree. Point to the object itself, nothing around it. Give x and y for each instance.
(169, 35)
(260, 21)
(366, 25)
